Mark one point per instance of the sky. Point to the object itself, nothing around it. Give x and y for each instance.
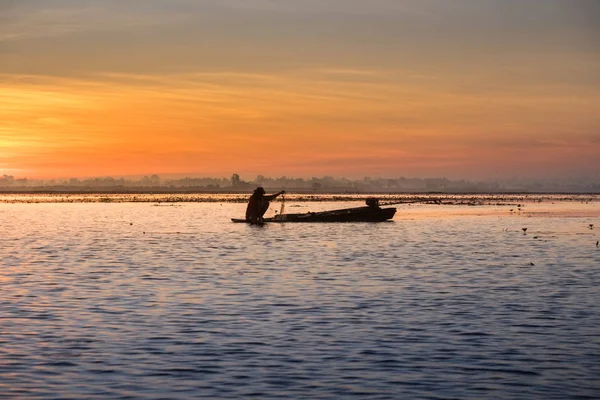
(463, 89)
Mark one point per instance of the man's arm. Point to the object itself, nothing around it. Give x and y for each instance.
(273, 196)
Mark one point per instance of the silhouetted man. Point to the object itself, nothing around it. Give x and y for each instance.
(258, 205)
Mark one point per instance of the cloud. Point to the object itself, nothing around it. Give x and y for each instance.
(28, 20)
(333, 80)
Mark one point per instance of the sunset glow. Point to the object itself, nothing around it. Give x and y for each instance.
(486, 89)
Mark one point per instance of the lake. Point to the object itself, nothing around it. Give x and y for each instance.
(146, 300)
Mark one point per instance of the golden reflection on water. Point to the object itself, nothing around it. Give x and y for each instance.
(529, 209)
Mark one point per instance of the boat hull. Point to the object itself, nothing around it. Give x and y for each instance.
(360, 214)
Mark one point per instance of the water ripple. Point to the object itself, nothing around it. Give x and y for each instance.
(184, 304)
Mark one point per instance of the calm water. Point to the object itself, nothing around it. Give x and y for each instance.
(142, 301)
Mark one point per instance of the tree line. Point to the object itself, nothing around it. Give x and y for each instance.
(314, 184)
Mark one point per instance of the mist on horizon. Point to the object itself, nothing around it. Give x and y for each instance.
(315, 184)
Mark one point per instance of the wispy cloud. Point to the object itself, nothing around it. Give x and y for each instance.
(35, 20)
(233, 83)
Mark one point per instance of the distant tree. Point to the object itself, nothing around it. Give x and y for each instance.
(155, 180)
(235, 180)
(6, 180)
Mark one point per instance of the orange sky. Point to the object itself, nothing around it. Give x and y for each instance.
(486, 89)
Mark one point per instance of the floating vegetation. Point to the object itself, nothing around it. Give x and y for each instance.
(515, 201)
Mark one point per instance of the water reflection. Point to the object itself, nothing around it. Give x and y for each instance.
(444, 302)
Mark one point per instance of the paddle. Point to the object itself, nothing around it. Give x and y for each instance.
(282, 209)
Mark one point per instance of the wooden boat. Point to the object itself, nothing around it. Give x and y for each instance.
(371, 213)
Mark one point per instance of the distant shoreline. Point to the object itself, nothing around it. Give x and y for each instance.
(231, 191)
(468, 199)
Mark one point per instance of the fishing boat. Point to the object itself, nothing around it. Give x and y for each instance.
(372, 212)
